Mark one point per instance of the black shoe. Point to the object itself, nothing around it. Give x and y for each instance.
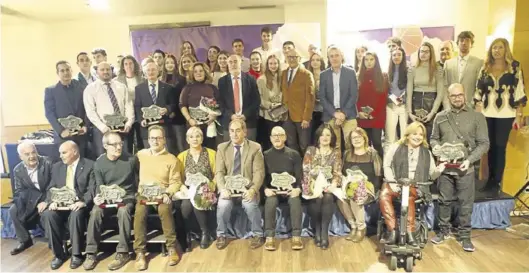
(439, 238)
(391, 238)
(57, 262)
(317, 240)
(21, 247)
(467, 245)
(76, 262)
(189, 243)
(411, 238)
(325, 244)
(205, 240)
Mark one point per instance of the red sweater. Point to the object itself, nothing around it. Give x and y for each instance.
(254, 73)
(368, 96)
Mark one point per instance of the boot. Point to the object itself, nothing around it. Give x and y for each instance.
(352, 235)
(297, 243)
(141, 261)
(270, 244)
(205, 240)
(360, 235)
(173, 257)
(411, 239)
(391, 238)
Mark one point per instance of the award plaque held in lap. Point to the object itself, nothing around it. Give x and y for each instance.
(453, 154)
(116, 122)
(201, 193)
(64, 197)
(152, 114)
(113, 196)
(421, 113)
(282, 182)
(71, 123)
(236, 184)
(151, 193)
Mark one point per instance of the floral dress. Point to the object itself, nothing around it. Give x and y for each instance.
(206, 192)
(313, 158)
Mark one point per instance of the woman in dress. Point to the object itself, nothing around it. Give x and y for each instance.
(367, 165)
(321, 208)
(221, 68)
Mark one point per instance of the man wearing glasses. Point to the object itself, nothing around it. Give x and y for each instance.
(112, 168)
(160, 167)
(460, 124)
(279, 159)
(297, 85)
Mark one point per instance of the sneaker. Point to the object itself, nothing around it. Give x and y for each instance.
(297, 243)
(270, 244)
(256, 242)
(438, 238)
(467, 245)
(141, 261)
(174, 257)
(119, 261)
(90, 262)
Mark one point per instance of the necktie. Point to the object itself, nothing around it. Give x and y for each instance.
(69, 177)
(290, 72)
(113, 99)
(237, 160)
(153, 93)
(236, 95)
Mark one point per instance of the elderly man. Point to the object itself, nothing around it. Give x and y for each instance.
(112, 168)
(459, 125)
(446, 51)
(32, 177)
(107, 97)
(239, 98)
(280, 159)
(297, 85)
(159, 166)
(76, 174)
(239, 156)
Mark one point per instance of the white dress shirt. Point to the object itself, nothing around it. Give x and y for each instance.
(336, 87)
(34, 175)
(240, 91)
(291, 73)
(88, 78)
(155, 87)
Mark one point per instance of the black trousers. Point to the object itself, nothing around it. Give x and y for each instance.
(22, 227)
(316, 123)
(321, 211)
(297, 137)
(499, 129)
(95, 227)
(201, 216)
(461, 189)
(54, 224)
(375, 137)
(271, 204)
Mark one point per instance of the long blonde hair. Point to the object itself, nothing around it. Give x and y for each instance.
(269, 75)
(489, 59)
(412, 129)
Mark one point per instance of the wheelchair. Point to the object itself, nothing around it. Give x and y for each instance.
(402, 253)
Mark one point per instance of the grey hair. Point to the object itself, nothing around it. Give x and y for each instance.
(454, 86)
(26, 144)
(107, 136)
(194, 129)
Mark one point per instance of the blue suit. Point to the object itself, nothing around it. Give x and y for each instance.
(348, 93)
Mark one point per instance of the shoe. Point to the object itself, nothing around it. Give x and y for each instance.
(221, 242)
(270, 244)
(256, 242)
(296, 243)
(467, 245)
(325, 243)
(189, 243)
(174, 258)
(76, 261)
(391, 238)
(439, 238)
(360, 235)
(205, 240)
(57, 262)
(90, 261)
(141, 261)
(351, 235)
(121, 259)
(21, 247)
(317, 240)
(411, 238)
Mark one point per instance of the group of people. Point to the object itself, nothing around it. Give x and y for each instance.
(261, 117)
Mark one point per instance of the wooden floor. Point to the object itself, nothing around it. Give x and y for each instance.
(496, 250)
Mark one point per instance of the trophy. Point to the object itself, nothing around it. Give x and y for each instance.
(367, 110)
(113, 196)
(278, 111)
(236, 184)
(72, 123)
(319, 181)
(152, 114)
(199, 115)
(116, 122)
(451, 153)
(421, 113)
(357, 179)
(283, 182)
(192, 181)
(64, 197)
(325, 170)
(201, 194)
(152, 193)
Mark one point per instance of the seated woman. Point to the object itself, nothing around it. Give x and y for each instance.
(198, 159)
(407, 158)
(320, 201)
(366, 167)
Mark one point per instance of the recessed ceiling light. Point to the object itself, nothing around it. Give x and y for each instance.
(98, 4)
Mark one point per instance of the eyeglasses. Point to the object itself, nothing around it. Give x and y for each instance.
(156, 138)
(277, 135)
(115, 144)
(455, 96)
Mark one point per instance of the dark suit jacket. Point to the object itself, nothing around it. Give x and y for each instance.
(348, 93)
(27, 195)
(57, 105)
(143, 99)
(251, 100)
(84, 180)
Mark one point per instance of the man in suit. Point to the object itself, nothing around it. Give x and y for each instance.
(297, 85)
(32, 177)
(63, 99)
(464, 69)
(238, 48)
(75, 173)
(239, 156)
(84, 77)
(446, 51)
(239, 98)
(152, 91)
(338, 96)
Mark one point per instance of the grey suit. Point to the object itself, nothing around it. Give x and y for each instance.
(348, 93)
(54, 220)
(468, 79)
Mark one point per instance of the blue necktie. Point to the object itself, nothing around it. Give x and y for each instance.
(113, 99)
(153, 93)
(290, 72)
(237, 160)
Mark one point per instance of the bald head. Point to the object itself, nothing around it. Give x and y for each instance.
(69, 152)
(278, 137)
(104, 71)
(456, 95)
(293, 58)
(28, 154)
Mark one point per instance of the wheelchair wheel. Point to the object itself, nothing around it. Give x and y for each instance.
(393, 263)
(409, 264)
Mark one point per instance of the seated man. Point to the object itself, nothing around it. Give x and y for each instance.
(112, 168)
(279, 159)
(408, 158)
(32, 177)
(159, 166)
(77, 174)
(244, 157)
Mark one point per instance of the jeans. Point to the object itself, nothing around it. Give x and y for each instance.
(460, 188)
(224, 208)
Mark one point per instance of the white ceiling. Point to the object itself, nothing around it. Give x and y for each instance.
(47, 10)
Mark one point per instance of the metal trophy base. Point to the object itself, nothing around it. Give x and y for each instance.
(151, 203)
(63, 208)
(74, 133)
(116, 205)
(281, 192)
(453, 165)
(234, 195)
(149, 123)
(117, 130)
